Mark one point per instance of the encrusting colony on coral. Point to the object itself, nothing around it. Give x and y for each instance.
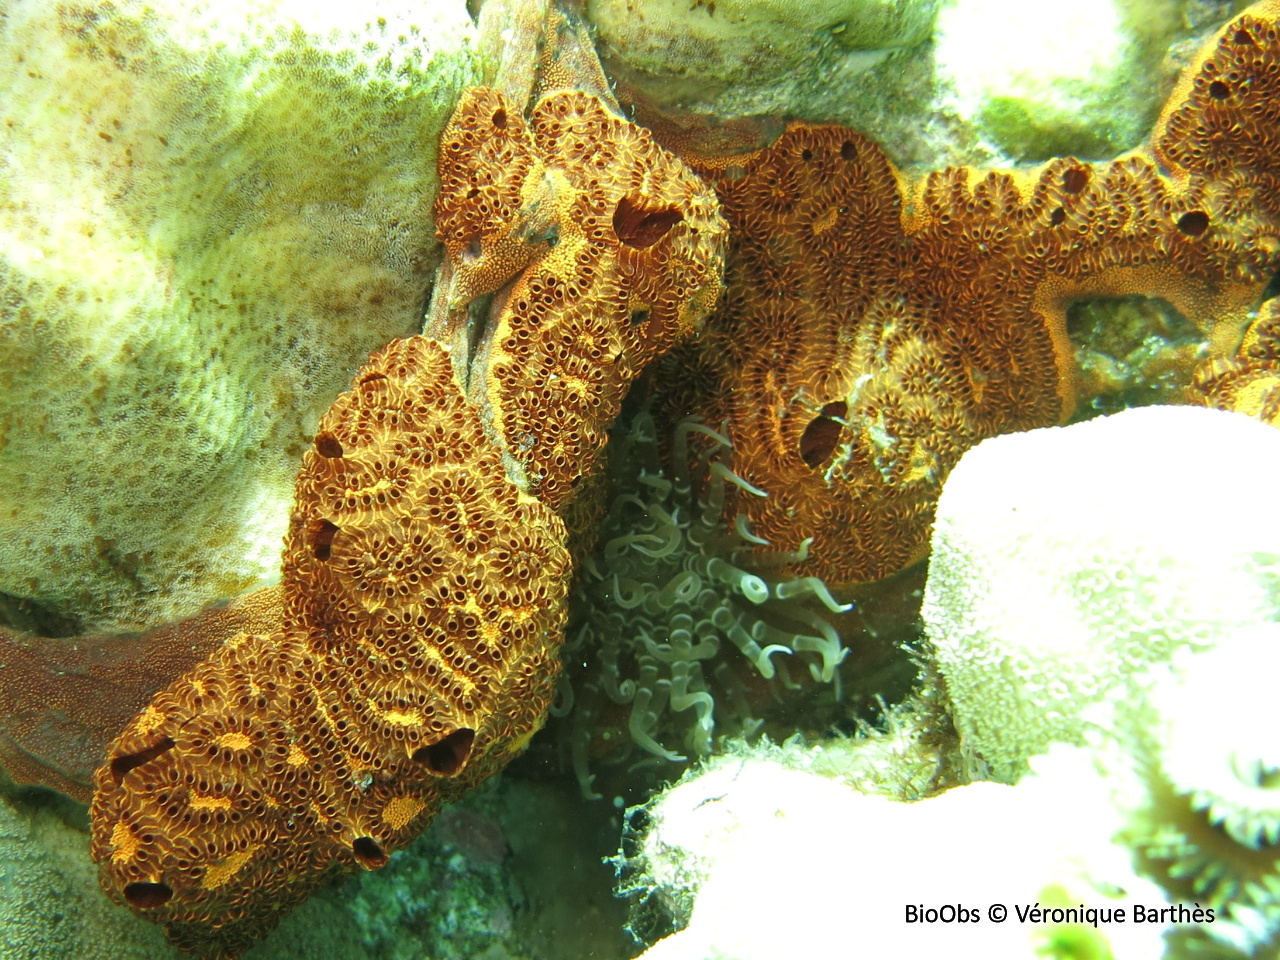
(672, 582)
(424, 582)
(601, 244)
(877, 326)
(422, 596)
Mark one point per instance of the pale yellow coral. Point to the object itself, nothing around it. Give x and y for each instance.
(209, 214)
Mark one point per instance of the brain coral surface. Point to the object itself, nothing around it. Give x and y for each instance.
(208, 217)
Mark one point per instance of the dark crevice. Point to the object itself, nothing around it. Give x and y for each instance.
(449, 755)
(641, 227)
(327, 446)
(131, 761)
(820, 437)
(148, 896)
(322, 540)
(1193, 223)
(367, 851)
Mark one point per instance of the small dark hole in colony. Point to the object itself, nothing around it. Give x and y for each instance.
(1243, 36)
(447, 757)
(806, 154)
(1193, 223)
(473, 193)
(1057, 216)
(1075, 180)
(131, 761)
(1219, 90)
(322, 542)
(642, 227)
(822, 434)
(327, 445)
(148, 896)
(367, 851)
(372, 378)
(848, 151)
(638, 317)
(500, 119)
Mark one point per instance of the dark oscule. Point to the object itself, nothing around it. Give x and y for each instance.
(327, 446)
(322, 540)
(148, 896)
(641, 227)
(446, 757)
(131, 761)
(368, 853)
(820, 437)
(1193, 223)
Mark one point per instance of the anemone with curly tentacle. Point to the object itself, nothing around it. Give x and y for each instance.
(675, 580)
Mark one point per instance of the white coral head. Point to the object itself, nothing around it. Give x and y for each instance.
(1216, 736)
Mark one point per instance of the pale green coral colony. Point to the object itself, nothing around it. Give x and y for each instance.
(209, 215)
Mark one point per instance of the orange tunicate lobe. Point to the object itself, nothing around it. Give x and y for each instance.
(425, 568)
(605, 251)
(877, 325)
(423, 607)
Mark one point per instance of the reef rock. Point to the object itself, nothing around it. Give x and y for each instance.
(209, 215)
(736, 58)
(1069, 562)
(965, 82)
(51, 906)
(1031, 86)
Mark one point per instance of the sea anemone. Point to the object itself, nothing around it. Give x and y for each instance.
(673, 580)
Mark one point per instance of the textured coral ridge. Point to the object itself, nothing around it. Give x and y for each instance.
(423, 597)
(604, 249)
(876, 326)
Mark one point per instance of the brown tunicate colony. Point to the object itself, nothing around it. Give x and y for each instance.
(876, 327)
(602, 251)
(423, 606)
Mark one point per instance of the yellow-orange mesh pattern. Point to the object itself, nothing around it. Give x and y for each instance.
(604, 251)
(876, 326)
(423, 609)
(1248, 382)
